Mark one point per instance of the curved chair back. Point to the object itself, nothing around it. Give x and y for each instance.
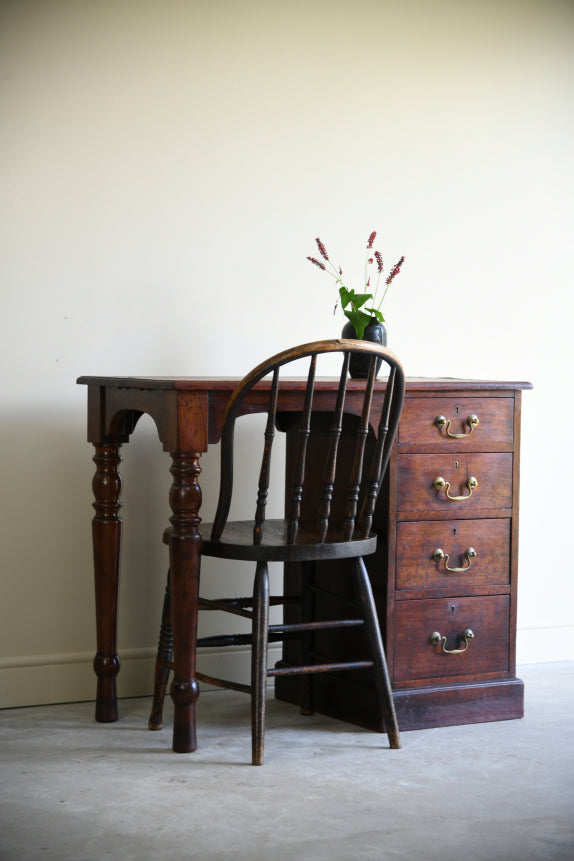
(362, 484)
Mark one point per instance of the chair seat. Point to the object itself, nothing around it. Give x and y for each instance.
(237, 543)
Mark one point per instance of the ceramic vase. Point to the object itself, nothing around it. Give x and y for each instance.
(375, 332)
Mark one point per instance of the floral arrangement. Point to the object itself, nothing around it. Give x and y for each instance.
(354, 304)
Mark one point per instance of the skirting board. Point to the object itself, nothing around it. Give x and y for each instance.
(544, 645)
(47, 679)
(43, 679)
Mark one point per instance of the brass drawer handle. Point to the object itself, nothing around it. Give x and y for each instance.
(439, 555)
(441, 484)
(437, 639)
(442, 422)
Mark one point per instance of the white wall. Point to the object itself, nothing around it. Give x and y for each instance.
(165, 169)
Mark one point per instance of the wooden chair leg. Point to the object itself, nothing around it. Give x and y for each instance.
(259, 661)
(375, 641)
(163, 662)
(308, 641)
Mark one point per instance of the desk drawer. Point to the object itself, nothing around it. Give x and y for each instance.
(477, 550)
(422, 422)
(419, 474)
(417, 659)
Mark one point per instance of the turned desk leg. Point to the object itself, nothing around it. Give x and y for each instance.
(185, 560)
(107, 534)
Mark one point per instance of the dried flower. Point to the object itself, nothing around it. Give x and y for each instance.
(354, 304)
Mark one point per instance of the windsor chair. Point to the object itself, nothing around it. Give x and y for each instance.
(302, 539)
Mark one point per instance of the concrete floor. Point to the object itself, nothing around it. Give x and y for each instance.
(74, 789)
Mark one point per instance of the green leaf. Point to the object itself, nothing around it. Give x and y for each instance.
(376, 313)
(356, 300)
(359, 321)
(346, 296)
(360, 299)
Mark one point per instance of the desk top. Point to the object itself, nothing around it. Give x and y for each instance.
(413, 384)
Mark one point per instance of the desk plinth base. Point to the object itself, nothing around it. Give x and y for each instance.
(417, 708)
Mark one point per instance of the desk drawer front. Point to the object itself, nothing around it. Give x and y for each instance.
(473, 553)
(422, 422)
(416, 658)
(419, 487)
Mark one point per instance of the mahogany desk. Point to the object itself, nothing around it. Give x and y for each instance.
(188, 413)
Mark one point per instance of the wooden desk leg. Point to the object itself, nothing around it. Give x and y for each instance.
(185, 560)
(107, 534)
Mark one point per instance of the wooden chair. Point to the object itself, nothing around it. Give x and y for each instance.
(294, 539)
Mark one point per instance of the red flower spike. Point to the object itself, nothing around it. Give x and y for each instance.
(317, 263)
(371, 239)
(379, 258)
(322, 249)
(395, 270)
(370, 259)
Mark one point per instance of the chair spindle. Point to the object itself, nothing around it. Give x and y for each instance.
(304, 433)
(266, 461)
(357, 470)
(331, 465)
(380, 460)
